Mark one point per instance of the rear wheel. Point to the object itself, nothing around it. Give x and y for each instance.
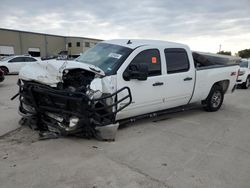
(5, 70)
(214, 99)
(246, 84)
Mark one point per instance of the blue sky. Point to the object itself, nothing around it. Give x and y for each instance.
(203, 25)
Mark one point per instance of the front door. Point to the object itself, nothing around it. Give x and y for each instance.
(147, 95)
(15, 64)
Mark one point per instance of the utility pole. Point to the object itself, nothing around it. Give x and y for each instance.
(220, 48)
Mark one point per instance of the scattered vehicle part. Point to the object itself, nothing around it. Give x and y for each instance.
(120, 81)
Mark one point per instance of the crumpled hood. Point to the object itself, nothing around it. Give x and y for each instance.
(50, 72)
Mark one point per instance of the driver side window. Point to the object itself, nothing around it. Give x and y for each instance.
(150, 57)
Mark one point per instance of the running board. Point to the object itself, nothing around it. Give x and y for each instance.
(159, 113)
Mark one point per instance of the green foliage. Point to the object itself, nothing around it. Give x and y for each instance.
(224, 52)
(244, 53)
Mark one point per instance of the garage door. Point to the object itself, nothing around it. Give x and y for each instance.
(6, 50)
(35, 52)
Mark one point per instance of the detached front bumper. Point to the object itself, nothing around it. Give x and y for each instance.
(69, 113)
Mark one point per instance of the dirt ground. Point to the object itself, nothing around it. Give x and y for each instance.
(187, 149)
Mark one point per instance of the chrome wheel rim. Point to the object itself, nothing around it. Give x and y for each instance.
(216, 99)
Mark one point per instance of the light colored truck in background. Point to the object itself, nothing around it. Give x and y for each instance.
(244, 75)
(118, 81)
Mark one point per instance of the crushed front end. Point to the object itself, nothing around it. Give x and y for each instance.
(71, 107)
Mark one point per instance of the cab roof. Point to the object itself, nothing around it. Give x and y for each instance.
(135, 43)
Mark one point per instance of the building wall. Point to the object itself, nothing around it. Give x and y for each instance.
(10, 38)
(55, 44)
(74, 49)
(30, 40)
(48, 44)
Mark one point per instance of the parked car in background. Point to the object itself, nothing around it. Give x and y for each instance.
(13, 64)
(244, 75)
(1, 75)
(60, 57)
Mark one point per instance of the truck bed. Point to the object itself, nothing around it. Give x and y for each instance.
(207, 76)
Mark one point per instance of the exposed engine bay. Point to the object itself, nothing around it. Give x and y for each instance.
(76, 80)
(76, 106)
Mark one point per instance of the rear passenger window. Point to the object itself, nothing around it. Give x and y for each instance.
(177, 60)
(152, 59)
(29, 59)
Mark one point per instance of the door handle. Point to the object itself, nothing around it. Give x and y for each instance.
(188, 79)
(158, 84)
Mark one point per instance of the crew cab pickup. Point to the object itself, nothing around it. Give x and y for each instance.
(119, 80)
(244, 75)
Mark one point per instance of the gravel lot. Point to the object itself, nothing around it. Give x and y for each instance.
(183, 150)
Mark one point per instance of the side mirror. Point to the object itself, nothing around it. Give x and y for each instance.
(136, 71)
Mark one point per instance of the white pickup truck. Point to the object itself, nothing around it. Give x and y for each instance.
(244, 75)
(119, 80)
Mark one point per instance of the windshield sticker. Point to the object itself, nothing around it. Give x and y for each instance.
(154, 60)
(114, 55)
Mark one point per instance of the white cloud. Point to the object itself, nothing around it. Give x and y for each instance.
(204, 25)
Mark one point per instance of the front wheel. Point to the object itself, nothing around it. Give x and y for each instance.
(214, 99)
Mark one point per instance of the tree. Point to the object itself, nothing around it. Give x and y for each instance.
(244, 53)
(224, 52)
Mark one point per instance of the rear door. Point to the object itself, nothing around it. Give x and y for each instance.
(180, 77)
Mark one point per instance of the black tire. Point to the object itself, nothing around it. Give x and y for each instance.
(5, 70)
(214, 99)
(246, 84)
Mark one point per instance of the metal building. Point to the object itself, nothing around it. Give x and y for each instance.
(40, 44)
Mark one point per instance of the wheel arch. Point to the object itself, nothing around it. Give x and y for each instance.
(2, 66)
(224, 84)
(207, 103)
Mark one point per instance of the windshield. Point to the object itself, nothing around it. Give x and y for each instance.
(107, 57)
(244, 64)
